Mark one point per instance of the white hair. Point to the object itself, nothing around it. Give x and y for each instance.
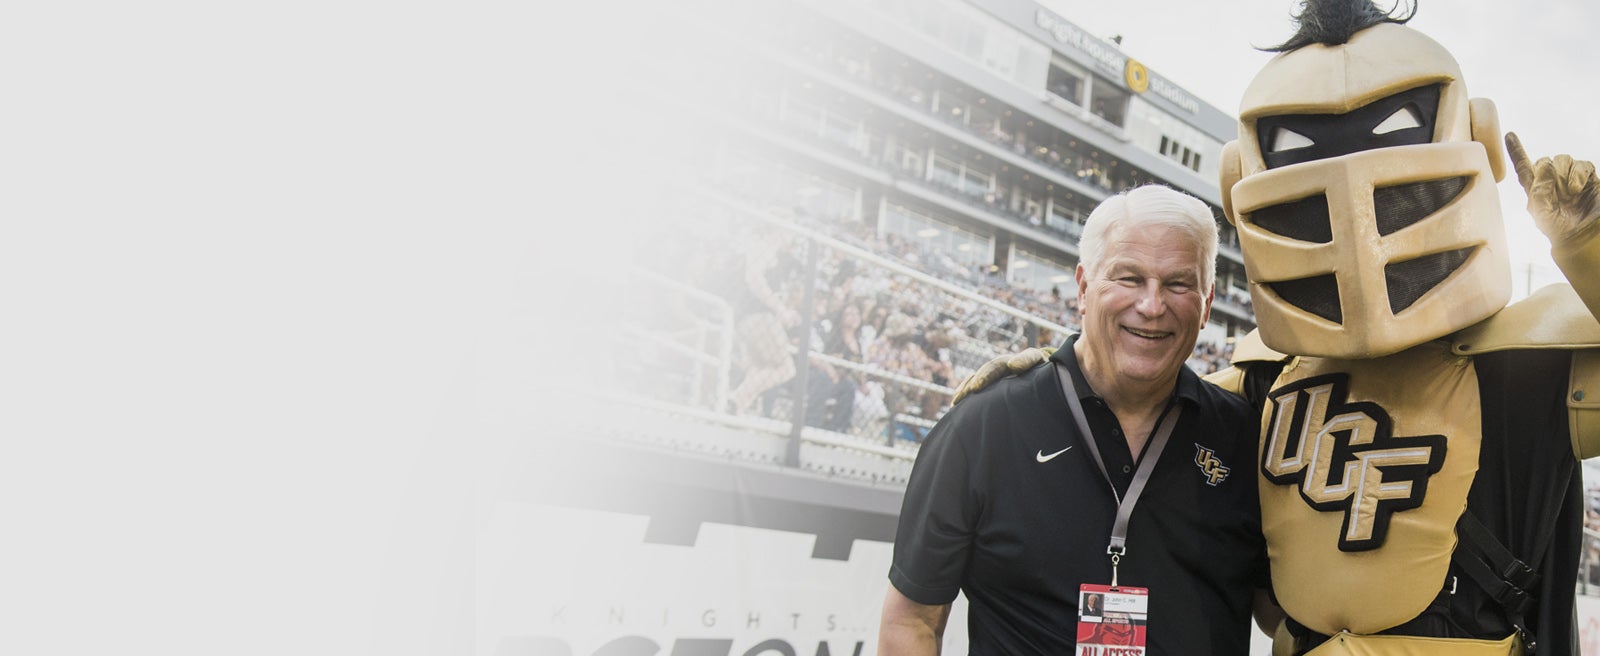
(1152, 205)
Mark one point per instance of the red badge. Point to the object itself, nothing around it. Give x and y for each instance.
(1111, 621)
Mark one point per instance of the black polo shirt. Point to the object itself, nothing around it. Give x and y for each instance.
(989, 512)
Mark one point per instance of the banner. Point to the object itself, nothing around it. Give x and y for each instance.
(556, 581)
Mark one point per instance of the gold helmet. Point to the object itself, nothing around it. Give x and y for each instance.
(1363, 189)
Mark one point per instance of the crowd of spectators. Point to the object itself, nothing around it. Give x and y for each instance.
(1234, 296)
(1209, 357)
(894, 345)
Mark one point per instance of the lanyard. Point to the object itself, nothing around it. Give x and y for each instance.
(1119, 530)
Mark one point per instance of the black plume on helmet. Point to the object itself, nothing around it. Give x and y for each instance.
(1333, 22)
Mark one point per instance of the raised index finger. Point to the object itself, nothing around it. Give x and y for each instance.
(1519, 159)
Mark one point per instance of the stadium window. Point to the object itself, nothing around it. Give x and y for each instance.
(1066, 84)
(977, 182)
(1171, 147)
(1060, 219)
(1196, 164)
(983, 120)
(945, 173)
(1108, 102)
(910, 161)
(841, 130)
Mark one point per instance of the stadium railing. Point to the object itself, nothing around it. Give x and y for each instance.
(747, 306)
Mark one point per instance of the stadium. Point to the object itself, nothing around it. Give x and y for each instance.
(853, 205)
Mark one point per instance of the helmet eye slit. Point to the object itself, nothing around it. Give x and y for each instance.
(1286, 139)
(1402, 119)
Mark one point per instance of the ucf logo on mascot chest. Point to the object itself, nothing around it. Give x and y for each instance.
(1343, 458)
(1365, 466)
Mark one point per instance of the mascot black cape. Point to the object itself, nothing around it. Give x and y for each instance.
(1420, 438)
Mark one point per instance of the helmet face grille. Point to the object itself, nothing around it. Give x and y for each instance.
(1305, 219)
(1402, 205)
(1318, 295)
(1410, 279)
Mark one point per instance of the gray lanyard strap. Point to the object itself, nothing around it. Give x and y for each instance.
(1119, 530)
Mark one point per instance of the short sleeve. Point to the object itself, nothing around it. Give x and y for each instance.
(939, 515)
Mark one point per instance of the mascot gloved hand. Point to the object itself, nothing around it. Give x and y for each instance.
(1564, 200)
(1563, 193)
(1001, 367)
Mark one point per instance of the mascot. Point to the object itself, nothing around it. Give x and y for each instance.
(1419, 439)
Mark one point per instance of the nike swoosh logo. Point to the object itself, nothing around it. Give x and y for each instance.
(1047, 458)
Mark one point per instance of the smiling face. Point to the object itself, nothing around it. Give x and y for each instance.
(1143, 307)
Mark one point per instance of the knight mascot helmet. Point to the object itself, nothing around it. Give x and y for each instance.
(1362, 186)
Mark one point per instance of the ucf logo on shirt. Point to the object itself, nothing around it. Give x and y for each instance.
(1207, 461)
(1343, 457)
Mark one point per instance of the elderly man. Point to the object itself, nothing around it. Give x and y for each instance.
(1108, 472)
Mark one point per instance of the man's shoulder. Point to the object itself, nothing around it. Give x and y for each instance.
(1007, 400)
(1221, 397)
(1223, 403)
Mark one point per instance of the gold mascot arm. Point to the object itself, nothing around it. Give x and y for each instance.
(1001, 367)
(1564, 199)
(1580, 262)
(1579, 259)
